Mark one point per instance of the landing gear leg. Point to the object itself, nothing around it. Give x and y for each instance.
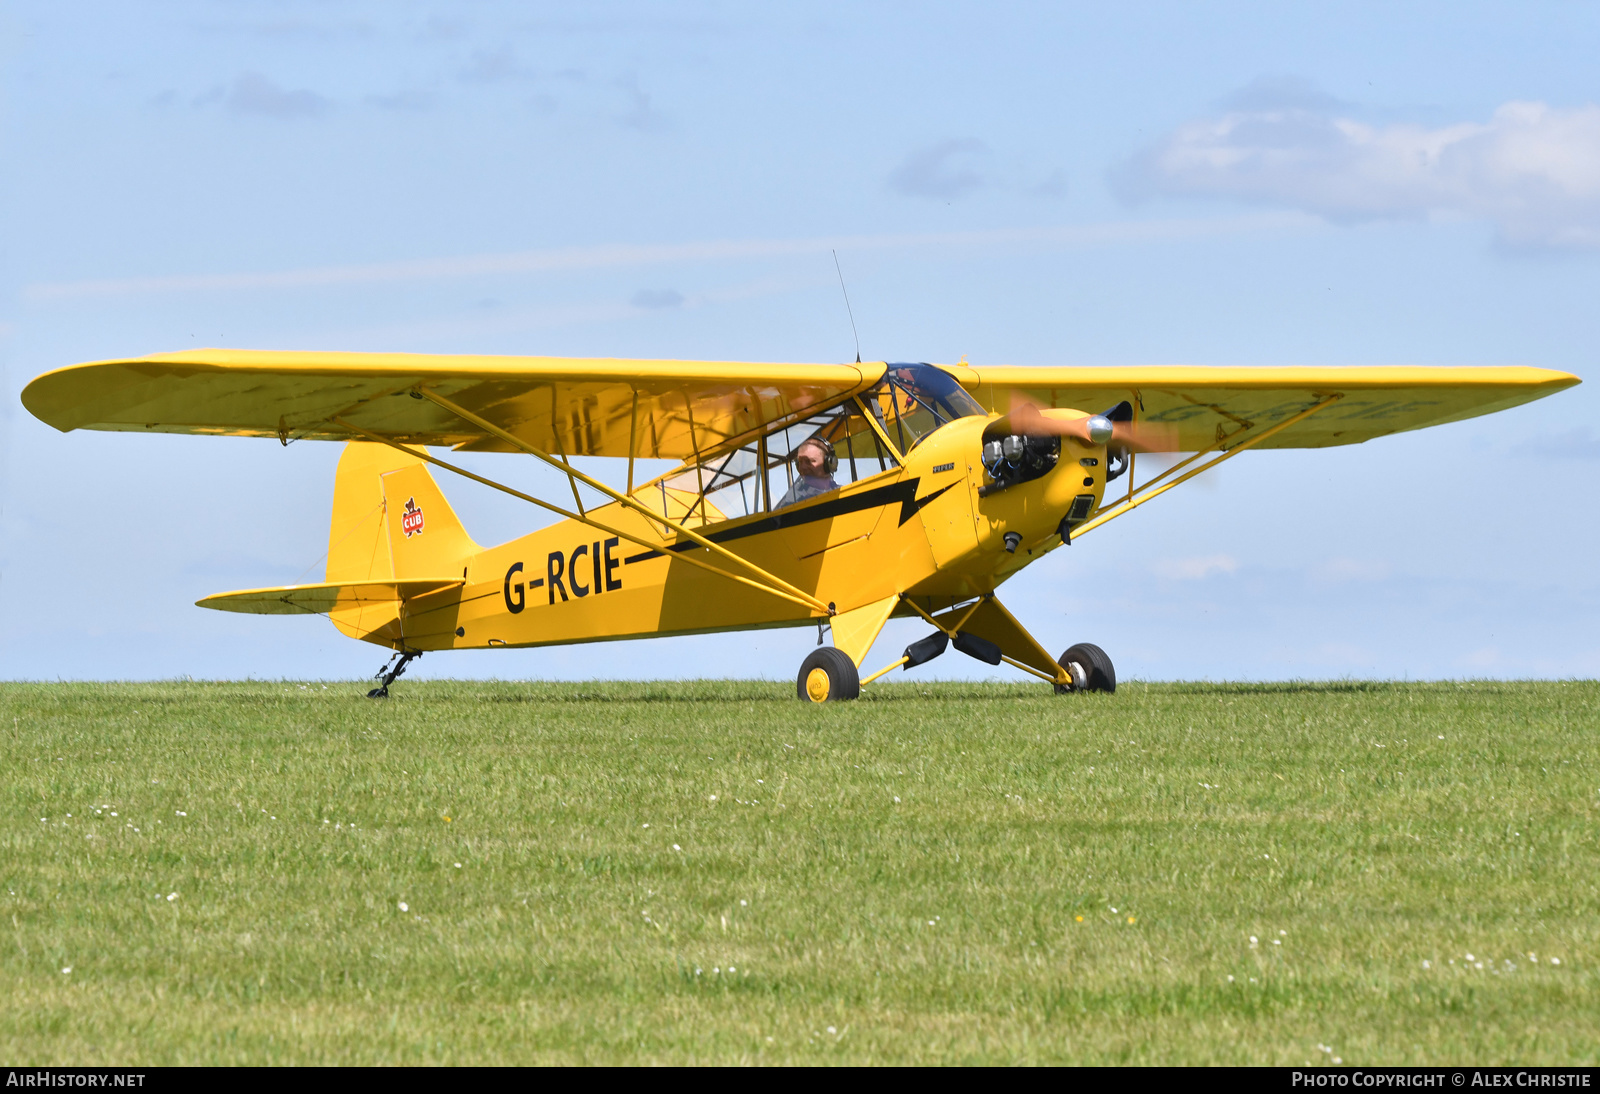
(392, 672)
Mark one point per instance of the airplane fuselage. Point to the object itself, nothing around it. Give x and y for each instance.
(926, 529)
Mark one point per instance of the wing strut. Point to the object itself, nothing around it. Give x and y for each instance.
(802, 599)
(1013, 633)
(947, 630)
(575, 476)
(1151, 490)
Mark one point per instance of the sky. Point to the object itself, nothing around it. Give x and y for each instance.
(1049, 184)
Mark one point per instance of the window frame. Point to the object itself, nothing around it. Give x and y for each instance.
(706, 469)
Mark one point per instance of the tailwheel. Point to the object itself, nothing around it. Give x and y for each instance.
(827, 674)
(1090, 669)
(392, 672)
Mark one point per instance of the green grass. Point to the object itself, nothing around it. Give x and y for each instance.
(935, 874)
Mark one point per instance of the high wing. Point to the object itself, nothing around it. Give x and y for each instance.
(678, 409)
(571, 406)
(325, 598)
(1206, 405)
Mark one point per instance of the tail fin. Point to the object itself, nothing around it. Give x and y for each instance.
(390, 523)
(393, 539)
(391, 520)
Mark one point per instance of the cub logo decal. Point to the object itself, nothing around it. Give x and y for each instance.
(411, 519)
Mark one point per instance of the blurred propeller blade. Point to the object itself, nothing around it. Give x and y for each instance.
(1145, 436)
(1028, 419)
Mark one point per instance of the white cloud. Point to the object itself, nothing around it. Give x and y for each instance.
(410, 100)
(658, 298)
(1336, 570)
(1281, 93)
(949, 169)
(253, 93)
(493, 66)
(1578, 443)
(1532, 169)
(1195, 569)
(640, 113)
(606, 256)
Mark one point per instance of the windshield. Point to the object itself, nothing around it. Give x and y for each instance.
(913, 400)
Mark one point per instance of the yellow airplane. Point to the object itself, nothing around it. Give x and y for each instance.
(838, 495)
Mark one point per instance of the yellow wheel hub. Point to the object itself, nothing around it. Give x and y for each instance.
(818, 686)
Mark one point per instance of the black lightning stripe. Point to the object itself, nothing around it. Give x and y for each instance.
(905, 493)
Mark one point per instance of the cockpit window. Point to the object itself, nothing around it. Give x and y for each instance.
(913, 400)
(763, 475)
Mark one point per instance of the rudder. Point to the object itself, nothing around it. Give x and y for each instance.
(426, 538)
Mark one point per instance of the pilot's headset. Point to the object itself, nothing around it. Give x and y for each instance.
(830, 460)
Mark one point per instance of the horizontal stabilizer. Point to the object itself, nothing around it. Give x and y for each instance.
(323, 599)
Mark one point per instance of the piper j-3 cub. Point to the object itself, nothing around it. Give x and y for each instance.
(833, 494)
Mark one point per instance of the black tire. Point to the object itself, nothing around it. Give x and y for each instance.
(1097, 668)
(835, 677)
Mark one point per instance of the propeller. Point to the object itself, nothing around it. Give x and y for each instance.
(1115, 427)
(1140, 436)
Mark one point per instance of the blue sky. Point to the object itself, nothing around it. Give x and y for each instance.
(1057, 184)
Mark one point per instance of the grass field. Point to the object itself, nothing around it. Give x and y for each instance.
(712, 872)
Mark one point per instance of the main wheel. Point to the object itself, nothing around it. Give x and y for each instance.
(827, 674)
(1090, 669)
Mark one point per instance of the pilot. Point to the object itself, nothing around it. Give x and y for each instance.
(816, 462)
